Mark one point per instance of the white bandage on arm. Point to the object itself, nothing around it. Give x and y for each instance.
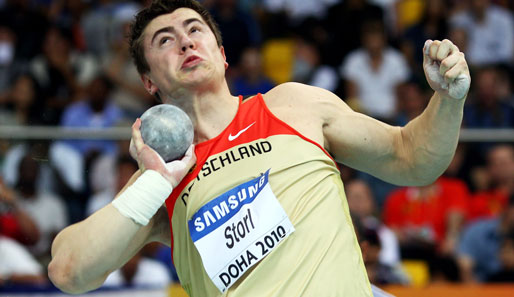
(144, 197)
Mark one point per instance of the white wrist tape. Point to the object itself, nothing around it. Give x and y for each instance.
(144, 197)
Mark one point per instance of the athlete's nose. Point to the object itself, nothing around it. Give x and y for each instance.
(184, 48)
(187, 43)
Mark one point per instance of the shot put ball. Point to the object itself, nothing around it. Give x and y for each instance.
(168, 130)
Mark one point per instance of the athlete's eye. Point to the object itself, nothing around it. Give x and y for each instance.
(194, 29)
(164, 40)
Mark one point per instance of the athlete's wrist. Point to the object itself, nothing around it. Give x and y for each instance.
(144, 197)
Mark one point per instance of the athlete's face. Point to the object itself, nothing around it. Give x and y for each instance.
(182, 52)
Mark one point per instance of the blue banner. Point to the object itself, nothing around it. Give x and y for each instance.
(219, 210)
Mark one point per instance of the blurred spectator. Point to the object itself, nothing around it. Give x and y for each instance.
(490, 29)
(412, 100)
(251, 79)
(128, 92)
(10, 65)
(498, 183)
(489, 105)
(95, 111)
(139, 272)
(80, 178)
(479, 246)
(378, 272)
(278, 59)
(101, 178)
(486, 108)
(20, 101)
(238, 28)
(433, 25)
(68, 14)
(60, 72)
(362, 207)
(380, 188)
(345, 22)
(374, 72)
(250, 6)
(125, 168)
(428, 220)
(37, 149)
(15, 222)
(48, 211)
(402, 14)
(459, 168)
(17, 266)
(308, 68)
(459, 37)
(346, 173)
(299, 10)
(506, 274)
(70, 168)
(506, 83)
(27, 24)
(97, 24)
(105, 164)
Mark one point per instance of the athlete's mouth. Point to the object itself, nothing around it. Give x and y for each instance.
(191, 61)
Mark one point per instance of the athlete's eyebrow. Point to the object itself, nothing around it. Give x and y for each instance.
(170, 29)
(191, 20)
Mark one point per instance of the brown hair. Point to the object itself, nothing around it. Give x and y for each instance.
(157, 8)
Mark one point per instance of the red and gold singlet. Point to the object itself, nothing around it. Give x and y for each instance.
(215, 210)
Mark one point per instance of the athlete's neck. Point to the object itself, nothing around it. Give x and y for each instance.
(211, 109)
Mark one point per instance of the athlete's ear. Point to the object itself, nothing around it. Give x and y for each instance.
(224, 57)
(149, 84)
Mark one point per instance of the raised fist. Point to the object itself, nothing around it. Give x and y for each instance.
(446, 69)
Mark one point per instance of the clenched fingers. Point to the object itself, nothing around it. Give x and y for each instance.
(456, 70)
(446, 48)
(449, 62)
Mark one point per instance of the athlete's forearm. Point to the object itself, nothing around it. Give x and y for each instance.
(431, 139)
(85, 253)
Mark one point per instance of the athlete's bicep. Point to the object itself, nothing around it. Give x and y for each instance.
(352, 138)
(362, 142)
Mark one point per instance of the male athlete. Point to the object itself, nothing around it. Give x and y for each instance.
(262, 212)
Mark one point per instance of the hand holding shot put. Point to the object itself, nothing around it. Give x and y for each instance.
(168, 131)
(162, 136)
(266, 170)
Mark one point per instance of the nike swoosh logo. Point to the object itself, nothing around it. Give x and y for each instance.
(232, 137)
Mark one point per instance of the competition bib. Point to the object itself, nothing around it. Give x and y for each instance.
(237, 229)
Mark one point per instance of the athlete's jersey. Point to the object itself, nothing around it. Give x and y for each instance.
(320, 256)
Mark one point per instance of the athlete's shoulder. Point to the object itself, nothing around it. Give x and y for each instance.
(287, 96)
(294, 93)
(303, 96)
(289, 89)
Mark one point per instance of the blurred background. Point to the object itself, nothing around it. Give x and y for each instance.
(69, 92)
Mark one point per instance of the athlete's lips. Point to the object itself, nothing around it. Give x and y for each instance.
(191, 61)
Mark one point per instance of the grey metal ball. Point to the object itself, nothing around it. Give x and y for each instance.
(168, 130)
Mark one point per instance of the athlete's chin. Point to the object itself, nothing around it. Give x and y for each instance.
(196, 80)
(196, 83)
